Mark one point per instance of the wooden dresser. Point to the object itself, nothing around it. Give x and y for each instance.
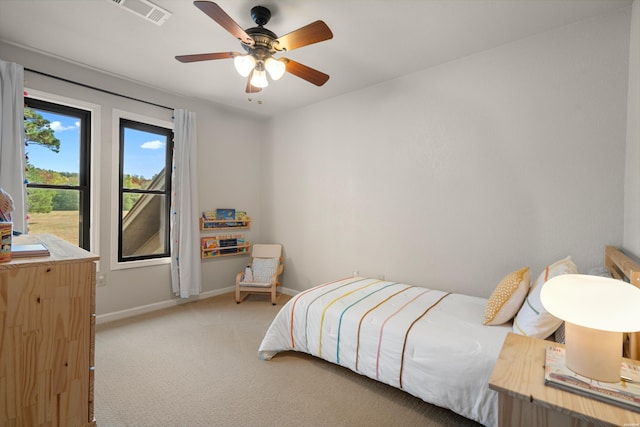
(47, 337)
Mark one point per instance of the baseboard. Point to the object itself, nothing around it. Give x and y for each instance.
(135, 311)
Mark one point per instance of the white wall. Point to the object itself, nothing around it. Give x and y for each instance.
(447, 178)
(632, 168)
(454, 176)
(229, 153)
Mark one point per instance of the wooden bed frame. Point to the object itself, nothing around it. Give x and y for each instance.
(623, 267)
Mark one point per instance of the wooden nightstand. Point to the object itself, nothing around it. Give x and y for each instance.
(524, 400)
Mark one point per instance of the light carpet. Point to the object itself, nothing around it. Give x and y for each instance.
(196, 364)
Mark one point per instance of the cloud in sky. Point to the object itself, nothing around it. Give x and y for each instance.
(152, 145)
(57, 126)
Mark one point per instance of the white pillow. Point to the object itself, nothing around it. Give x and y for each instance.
(264, 268)
(533, 320)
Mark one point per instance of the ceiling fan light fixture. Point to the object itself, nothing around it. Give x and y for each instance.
(259, 79)
(275, 67)
(260, 44)
(244, 64)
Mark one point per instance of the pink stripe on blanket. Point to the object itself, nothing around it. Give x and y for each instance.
(367, 313)
(385, 322)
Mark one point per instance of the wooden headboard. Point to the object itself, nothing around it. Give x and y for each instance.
(624, 268)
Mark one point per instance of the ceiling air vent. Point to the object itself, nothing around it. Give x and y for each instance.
(145, 9)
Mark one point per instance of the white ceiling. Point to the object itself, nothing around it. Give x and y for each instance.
(374, 40)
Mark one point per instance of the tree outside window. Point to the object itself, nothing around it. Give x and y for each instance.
(57, 139)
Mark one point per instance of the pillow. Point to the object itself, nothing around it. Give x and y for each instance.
(507, 297)
(533, 320)
(600, 271)
(264, 268)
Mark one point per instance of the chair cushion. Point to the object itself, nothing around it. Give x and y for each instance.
(256, 284)
(264, 268)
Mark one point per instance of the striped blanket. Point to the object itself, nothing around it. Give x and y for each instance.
(427, 342)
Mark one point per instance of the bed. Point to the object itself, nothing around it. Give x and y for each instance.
(429, 343)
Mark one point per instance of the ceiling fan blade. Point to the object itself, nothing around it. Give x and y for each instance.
(309, 74)
(251, 88)
(206, 56)
(216, 13)
(315, 32)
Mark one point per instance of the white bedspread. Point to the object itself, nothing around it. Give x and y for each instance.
(429, 343)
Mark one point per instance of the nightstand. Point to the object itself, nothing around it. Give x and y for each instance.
(524, 399)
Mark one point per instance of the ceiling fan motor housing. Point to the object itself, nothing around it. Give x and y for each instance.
(263, 38)
(260, 15)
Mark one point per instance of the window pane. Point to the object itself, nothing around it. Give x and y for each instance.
(50, 162)
(58, 166)
(144, 159)
(143, 224)
(145, 151)
(54, 212)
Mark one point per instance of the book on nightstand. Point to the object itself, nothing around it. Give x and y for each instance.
(29, 250)
(625, 393)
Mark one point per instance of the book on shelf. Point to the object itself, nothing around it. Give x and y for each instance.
(241, 217)
(625, 393)
(208, 215)
(212, 223)
(209, 246)
(226, 215)
(240, 242)
(228, 246)
(29, 250)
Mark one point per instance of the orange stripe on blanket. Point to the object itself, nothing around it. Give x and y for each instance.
(406, 335)
(333, 302)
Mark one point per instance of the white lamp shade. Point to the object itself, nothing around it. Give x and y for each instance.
(259, 79)
(244, 64)
(593, 353)
(593, 302)
(596, 311)
(275, 67)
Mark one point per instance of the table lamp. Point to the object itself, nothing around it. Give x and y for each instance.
(596, 311)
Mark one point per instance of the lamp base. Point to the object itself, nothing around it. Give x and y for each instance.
(593, 353)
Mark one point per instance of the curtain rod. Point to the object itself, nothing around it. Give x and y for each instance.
(98, 89)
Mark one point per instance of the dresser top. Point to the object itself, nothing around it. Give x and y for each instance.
(61, 252)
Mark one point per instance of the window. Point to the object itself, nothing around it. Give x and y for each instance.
(144, 191)
(58, 151)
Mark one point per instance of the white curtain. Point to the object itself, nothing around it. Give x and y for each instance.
(185, 243)
(12, 160)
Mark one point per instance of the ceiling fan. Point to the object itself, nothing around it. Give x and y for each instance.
(260, 45)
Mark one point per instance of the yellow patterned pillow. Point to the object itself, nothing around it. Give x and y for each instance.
(507, 297)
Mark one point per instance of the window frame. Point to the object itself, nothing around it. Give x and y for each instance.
(84, 113)
(117, 262)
